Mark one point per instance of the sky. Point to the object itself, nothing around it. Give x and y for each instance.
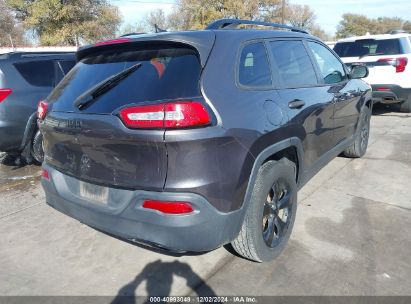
(328, 12)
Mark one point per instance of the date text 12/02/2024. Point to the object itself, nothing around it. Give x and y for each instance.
(200, 299)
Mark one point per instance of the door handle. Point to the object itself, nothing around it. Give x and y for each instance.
(296, 103)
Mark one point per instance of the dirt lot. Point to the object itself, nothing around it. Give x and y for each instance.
(351, 237)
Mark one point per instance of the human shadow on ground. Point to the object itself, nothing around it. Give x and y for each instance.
(158, 277)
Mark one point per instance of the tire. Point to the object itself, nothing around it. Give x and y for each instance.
(267, 226)
(36, 150)
(360, 144)
(405, 106)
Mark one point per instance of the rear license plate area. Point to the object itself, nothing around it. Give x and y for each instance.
(94, 193)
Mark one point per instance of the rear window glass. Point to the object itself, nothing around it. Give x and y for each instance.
(37, 73)
(165, 73)
(293, 64)
(368, 47)
(254, 70)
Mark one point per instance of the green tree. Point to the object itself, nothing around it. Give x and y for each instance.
(354, 25)
(11, 32)
(197, 14)
(384, 25)
(357, 25)
(68, 22)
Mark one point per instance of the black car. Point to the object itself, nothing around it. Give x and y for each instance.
(191, 140)
(25, 79)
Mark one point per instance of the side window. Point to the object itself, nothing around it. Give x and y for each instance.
(292, 64)
(37, 73)
(331, 68)
(254, 70)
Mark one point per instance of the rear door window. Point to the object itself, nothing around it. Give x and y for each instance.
(292, 64)
(37, 73)
(331, 68)
(368, 47)
(254, 70)
(165, 73)
(44, 73)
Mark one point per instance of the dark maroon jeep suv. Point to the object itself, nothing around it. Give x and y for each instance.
(191, 140)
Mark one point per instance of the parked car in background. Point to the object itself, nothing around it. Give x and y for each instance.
(25, 79)
(191, 140)
(388, 58)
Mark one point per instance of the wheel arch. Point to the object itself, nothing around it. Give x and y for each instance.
(31, 127)
(290, 148)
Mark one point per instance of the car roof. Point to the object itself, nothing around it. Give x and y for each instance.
(37, 55)
(202, 40)
(376, 37)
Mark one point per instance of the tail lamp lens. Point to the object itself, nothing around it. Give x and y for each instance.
(398, 63)
(4, 93)
(45, 174)
(42, 109)
(166, 115)
(168, 207)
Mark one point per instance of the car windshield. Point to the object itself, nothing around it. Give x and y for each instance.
(368, 47)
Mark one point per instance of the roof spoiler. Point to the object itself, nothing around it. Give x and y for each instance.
(234, 23)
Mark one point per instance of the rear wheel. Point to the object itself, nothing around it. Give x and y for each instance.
(36, 150)
(360, 144)
(271, 213)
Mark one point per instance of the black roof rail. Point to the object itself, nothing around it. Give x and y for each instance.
(24, 54)
(234, 23)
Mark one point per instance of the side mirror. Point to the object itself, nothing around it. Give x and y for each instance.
(359, 71)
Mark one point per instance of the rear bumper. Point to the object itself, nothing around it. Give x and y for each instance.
(204, 229)
(389, 93)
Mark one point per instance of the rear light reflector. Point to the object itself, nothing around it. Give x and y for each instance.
(168, 207)
(398, 63)
(42, 109)
(383, 89)
(45, 174)
(113, 41)
(172, 115)
(4, 93)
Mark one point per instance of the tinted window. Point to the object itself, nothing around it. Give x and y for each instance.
(165, 73)
(62, 68)
(292, 63)
(368, 47)
(254, 70)
(37, 73)
(331, 68)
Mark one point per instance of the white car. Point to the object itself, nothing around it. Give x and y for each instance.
(388, 58)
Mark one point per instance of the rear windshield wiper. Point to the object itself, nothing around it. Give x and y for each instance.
(104, 86)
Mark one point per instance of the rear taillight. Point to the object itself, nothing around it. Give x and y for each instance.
(168, 207)
(398, 63)
(45, 174)
(4, 93)
(174, 115)
(42, 109)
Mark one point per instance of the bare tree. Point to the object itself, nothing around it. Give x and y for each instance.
(301, 16)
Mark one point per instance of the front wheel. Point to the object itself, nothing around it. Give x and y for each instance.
(271, 212)
(360, 144)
